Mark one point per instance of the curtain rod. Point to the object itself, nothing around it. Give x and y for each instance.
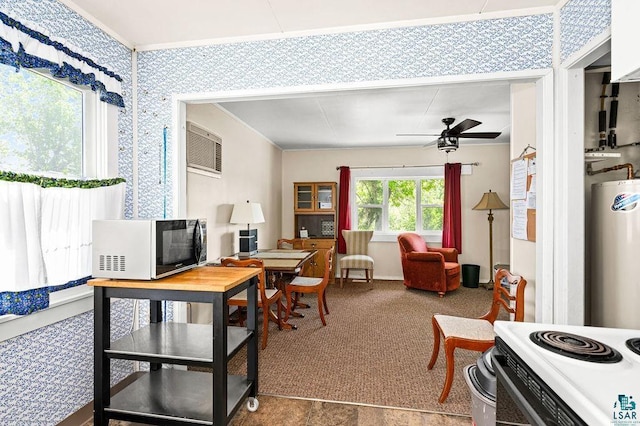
(404, 167)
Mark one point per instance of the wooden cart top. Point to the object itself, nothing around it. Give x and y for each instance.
(203, 278)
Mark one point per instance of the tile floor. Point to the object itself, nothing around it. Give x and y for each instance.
(301, 412)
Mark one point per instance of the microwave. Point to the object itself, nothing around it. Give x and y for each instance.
(147, 249)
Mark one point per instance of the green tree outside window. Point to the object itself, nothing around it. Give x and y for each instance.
(40, 124)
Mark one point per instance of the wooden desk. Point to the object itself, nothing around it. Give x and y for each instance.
(175, 396)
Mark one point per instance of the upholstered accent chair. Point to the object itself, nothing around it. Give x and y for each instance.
(476, 334)
(357, 256)
(428, 268)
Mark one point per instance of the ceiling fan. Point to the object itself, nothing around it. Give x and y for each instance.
(448, 139)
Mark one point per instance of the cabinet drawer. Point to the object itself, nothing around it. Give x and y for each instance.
(319, 243)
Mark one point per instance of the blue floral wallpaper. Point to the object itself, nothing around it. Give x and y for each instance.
(509, 44)
(47, 374)
(581, 21)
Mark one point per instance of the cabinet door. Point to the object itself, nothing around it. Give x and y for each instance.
(304, 197)
(326, 194)
(315, 267)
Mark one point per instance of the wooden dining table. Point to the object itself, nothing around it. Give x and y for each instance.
(278, 263)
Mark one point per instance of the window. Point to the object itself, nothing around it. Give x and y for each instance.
(51, 127)
(390, 200)
(393, 205)
(42, 124)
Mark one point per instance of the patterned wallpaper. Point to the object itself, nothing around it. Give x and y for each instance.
(47, 374)
(509, 44)
(581, 21)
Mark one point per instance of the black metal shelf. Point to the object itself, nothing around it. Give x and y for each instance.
(176, 396)
(175, 343)
(169, 396)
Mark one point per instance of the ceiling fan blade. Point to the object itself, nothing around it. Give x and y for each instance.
(431, 143)
(480, 135)
(417, 134)
(462, 126)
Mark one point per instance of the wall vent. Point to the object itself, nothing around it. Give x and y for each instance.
(204, 149)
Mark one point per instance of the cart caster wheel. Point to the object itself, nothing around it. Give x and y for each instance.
(252, 404)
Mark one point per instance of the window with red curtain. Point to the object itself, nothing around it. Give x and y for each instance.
(452, 220)
(344, 207)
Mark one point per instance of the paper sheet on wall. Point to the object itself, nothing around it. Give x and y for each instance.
(519, 179)
(531, 200)
(519, 224)
(532, 166)
(531, 193)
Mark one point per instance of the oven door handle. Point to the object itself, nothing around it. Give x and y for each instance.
(528, 404)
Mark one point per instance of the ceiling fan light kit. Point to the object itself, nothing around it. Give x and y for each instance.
(448, 140)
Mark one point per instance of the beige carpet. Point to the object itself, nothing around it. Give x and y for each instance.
(374, 349)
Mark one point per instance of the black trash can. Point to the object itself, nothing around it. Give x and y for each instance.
(470, 275)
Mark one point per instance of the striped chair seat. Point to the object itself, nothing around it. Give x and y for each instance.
(357, 261)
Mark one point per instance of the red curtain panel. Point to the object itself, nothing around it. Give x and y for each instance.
(344, 208)
(452, 225)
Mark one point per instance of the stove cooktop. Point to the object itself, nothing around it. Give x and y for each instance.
(594, 390)
(574, 346)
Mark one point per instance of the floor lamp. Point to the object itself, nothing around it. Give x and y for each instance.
(490, 201)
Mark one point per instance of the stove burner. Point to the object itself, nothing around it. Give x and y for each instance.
(634, 345)
(574, 346)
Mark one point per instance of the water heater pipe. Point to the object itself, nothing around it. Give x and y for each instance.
(627, 166)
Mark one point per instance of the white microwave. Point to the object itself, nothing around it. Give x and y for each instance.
(147, 249)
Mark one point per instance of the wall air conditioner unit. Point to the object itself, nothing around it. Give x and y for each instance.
(204, 150)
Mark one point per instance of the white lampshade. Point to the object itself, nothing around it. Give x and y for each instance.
(247, 213)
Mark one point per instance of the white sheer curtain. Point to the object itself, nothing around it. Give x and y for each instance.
(21, 259)
(46, 232)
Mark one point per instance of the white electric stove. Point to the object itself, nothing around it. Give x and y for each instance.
(568, 375)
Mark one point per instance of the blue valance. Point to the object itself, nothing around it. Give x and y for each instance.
(21, 46)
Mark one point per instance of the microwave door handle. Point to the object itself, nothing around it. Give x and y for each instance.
(197, 241)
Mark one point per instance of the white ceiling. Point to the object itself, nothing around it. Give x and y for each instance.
(372, 118)
(363, 118)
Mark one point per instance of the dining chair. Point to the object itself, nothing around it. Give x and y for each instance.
(266, 297)
(317, 285)
(476, 334)
(284, 277)
(357, 255)
(286, 243)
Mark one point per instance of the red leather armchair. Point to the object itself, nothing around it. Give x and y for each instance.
(428, 268)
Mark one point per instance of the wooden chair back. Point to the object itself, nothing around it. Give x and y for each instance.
(328, 266)
(507, 297)
(285, 243)
(249, 263)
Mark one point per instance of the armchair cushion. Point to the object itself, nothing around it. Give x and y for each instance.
(426, 268)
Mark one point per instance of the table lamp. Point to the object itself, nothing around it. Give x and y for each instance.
(247, 213)
(490, 201)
